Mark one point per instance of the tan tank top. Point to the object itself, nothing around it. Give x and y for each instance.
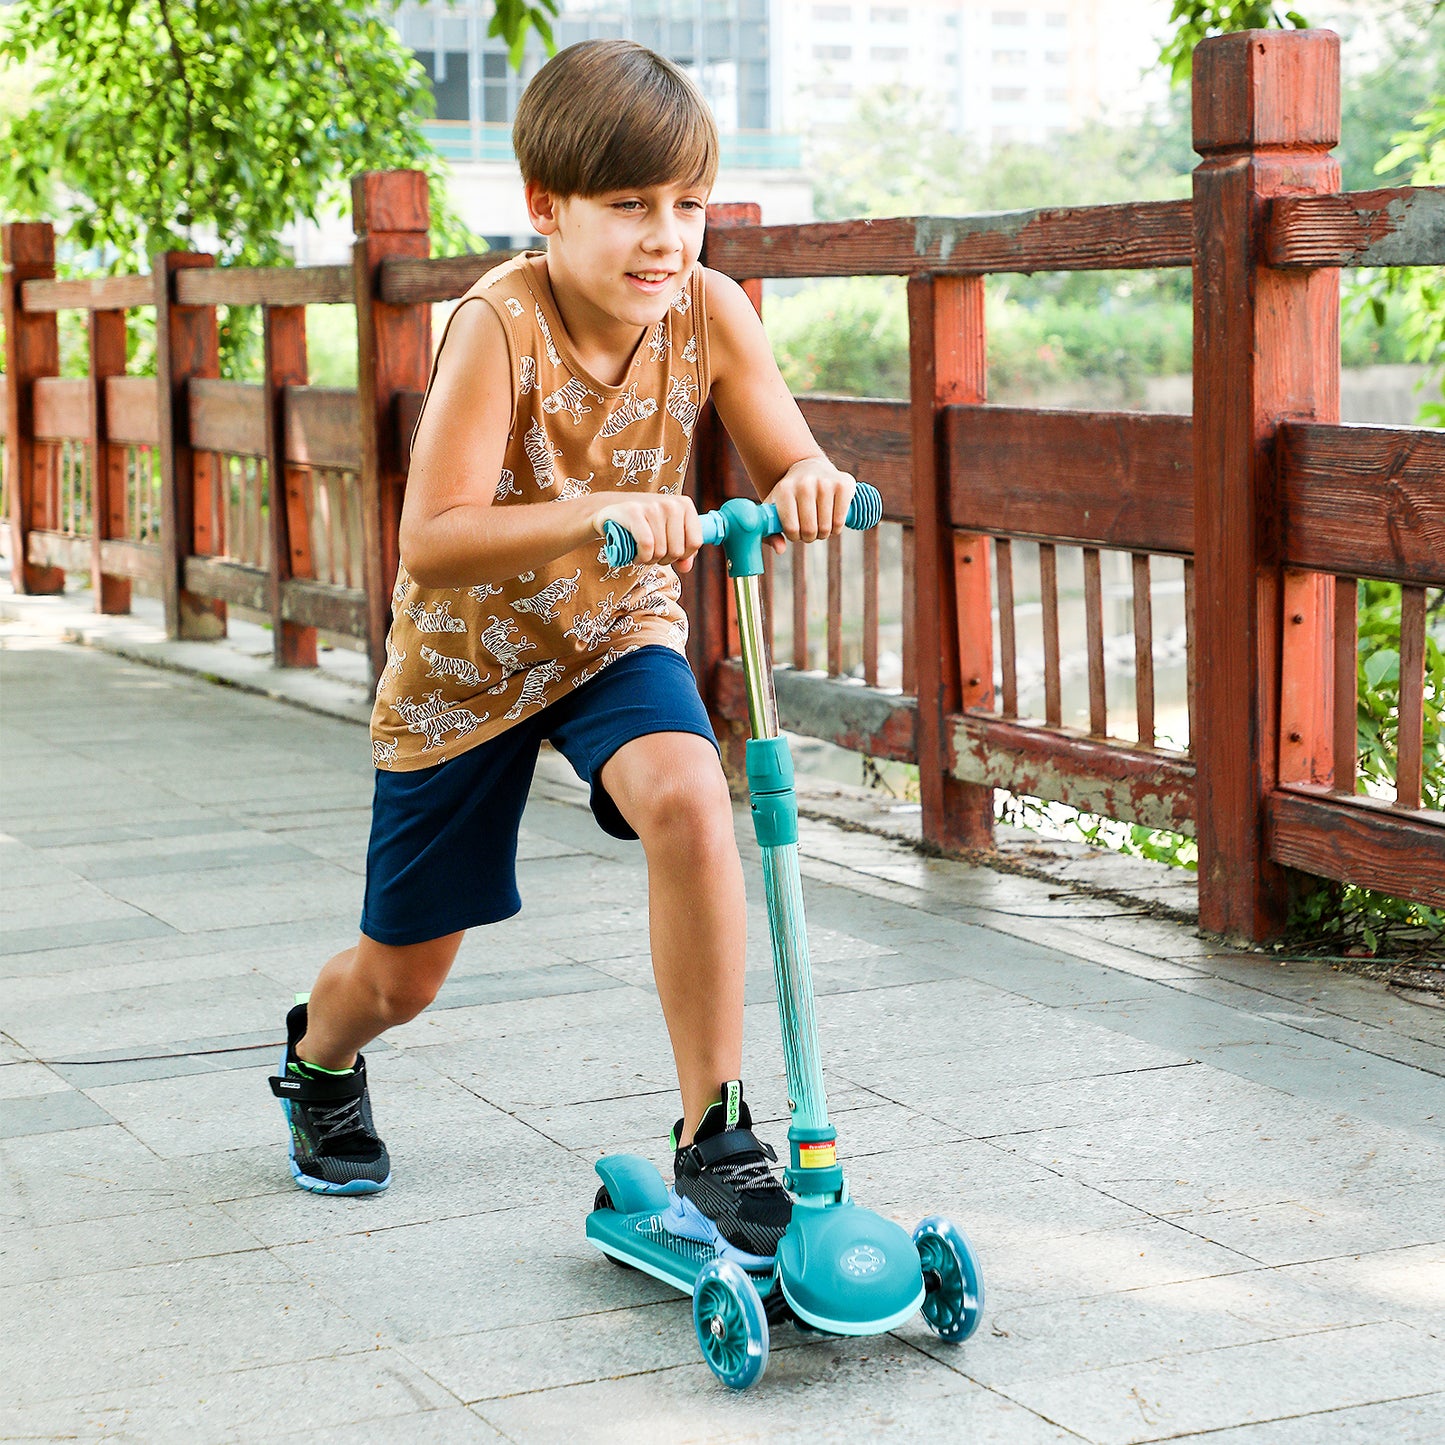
(466, 663)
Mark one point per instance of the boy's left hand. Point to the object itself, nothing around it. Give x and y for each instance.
(812, 499)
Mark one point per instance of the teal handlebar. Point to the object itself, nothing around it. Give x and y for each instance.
(740, 526)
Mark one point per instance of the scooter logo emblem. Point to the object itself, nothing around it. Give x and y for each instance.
(863, 1260)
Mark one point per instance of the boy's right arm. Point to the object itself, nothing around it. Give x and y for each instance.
(451, 534)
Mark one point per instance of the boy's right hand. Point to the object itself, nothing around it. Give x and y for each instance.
(665, 528)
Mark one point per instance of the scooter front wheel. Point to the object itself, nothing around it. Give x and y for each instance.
(731, 1323)
(953, 1305)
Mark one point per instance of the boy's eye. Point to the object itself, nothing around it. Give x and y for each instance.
(628, 206)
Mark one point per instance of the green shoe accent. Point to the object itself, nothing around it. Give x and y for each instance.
(302, 998)
(301, 1067)
(734, 1098)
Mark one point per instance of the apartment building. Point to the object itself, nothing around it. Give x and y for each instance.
(997, 71)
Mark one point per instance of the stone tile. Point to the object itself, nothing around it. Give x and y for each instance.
(1398, 1284)
(261, 893)
(1418, 1420)
(893, 1393)
(50, 1113)
(211, 1112)
(128, 1328)
(26, 1080)
(250, 1404)
(1021, 1339)
(160, 1236)
(87, 1173)
(123, 925)
(1131, 1257)
(1321, 1225)
(502, 1269)
(150, 1020)
(1240, 1384)
(443, 1426)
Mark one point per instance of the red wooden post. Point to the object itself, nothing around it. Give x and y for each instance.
(1266, 349)
(706, 591)
(391, 215)
(187, 345)
(32, 349)
(107, 359)
(952, 625)
(284, 329)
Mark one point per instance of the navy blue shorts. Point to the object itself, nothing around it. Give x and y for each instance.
(443, 851)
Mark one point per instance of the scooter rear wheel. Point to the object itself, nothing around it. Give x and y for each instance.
(604, 1201)
(731, 1324)
(953, 1305)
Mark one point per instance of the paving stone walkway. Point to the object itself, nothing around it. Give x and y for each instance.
(1208, 1190)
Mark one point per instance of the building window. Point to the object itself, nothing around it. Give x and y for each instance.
(1010, 17)
(832, 90)
(832, 12)
(1056, 95)
(1055, 21)
(1057, 57)
(889, 14)
(832, 52)
(447, 73)
(889, 54)
(1009, 94)
(1010, 57)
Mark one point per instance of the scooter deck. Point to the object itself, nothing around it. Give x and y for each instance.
(640, 1240)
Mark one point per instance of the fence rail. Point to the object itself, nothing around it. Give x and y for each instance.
(1253, 521)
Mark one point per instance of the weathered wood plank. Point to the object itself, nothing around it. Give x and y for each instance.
(952, 609)
(62, 408)
(409, 281)
(1140, 234)
(228, 416)
(132, 406)
(307, 603)
(1399, 226)
(1104, 479)
(839, 710)
(1358, 841)
(266, 286)
(225, 581)
(1266, 347)
(140, 561)
(872, 439)
(44, 548)
(323, 427)
(1363, 501)
(93, 293)
(1140, 785)
(106, 335)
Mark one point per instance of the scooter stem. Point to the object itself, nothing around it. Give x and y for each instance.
(813, 1171)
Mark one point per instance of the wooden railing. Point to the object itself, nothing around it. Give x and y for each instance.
(1261, 507)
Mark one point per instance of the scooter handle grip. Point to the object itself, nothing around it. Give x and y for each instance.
(865, 511)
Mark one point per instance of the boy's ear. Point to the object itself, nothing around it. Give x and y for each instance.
(541, 208)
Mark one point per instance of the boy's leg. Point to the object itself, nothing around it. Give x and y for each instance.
(367, 989)
(671, 790)
(322, 1084)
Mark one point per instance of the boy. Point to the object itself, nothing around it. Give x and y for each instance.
(565, 398)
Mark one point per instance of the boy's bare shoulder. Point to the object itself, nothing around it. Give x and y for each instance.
(734, 329)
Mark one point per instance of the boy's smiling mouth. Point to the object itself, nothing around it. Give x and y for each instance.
(650, 278)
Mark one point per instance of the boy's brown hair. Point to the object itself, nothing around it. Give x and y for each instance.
(611, 115)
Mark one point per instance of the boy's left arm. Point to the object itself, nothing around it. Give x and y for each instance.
(786, 465)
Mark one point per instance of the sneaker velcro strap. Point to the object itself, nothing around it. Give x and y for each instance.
(328, 1089)
(728, 1145)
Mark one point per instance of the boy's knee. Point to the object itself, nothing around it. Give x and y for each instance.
(688, 809)
(400, 1000)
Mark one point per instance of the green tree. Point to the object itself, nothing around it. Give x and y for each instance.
(160, 124)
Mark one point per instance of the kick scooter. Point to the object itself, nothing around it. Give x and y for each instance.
(839, 1269)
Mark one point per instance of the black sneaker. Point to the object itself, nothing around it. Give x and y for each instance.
(334, 1148)
(724, 1194)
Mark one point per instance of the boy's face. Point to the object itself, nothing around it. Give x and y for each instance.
(623, 255)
